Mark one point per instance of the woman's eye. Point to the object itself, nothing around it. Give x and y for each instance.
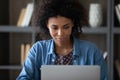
(66, 27)
(54, 27)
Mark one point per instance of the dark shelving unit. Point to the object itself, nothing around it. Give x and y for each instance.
(115, 41)
(106, 36)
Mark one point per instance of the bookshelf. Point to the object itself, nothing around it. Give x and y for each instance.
(11, 37)
(115, 40)
(106, 36)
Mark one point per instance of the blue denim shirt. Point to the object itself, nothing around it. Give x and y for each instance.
(42, 53)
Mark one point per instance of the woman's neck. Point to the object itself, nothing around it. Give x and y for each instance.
(64, 49)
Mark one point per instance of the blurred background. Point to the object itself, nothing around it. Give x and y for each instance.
(17, 35)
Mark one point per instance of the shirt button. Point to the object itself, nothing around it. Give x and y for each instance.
(53, 60)
(74, 62)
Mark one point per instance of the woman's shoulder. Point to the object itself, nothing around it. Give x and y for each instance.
(42, 45)
(88, 46)
(85, 43)
(43, 42)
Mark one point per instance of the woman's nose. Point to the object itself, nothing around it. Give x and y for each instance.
(60, 32)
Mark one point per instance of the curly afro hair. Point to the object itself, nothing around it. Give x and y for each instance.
(72, 9)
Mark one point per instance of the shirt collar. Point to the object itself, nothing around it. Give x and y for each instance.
(51, 47)
(76, 50)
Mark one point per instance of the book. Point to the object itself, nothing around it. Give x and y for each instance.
(28, 15)
(22, 54)
(24, 51)
(117, 10)
(27, 48)
(25, 15)
(21, 17)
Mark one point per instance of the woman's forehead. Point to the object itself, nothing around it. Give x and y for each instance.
(59, 20)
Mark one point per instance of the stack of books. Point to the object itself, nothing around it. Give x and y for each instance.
(25, 15)
(117, 10)
(24, 51)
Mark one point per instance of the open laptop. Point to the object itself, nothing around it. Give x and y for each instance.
(70, 72)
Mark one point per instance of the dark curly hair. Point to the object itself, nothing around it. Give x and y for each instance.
(72, 9)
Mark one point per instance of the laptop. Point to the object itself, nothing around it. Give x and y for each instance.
(70, 72)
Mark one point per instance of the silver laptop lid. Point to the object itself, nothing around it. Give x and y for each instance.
(70, 72)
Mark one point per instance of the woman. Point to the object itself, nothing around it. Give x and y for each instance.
(62, 20)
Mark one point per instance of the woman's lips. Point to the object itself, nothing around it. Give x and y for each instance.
(61, 39)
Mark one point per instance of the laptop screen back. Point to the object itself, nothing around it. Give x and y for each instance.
(70, 72)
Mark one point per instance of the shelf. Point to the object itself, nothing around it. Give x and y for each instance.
(116, 30)
(10, 67)
(98, 30)
(106, 37)
(18, 29)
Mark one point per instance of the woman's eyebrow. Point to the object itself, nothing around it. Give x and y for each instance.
(66, 24)
(54, 25)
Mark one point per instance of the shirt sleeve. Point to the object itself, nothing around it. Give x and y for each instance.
(29, 71)
(99, 60)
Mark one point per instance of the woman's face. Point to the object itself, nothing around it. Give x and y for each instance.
(60, 28)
